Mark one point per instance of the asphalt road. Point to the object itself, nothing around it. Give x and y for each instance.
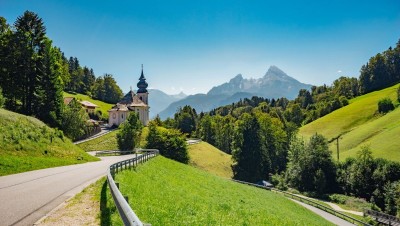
(27, 197)
(333, 219)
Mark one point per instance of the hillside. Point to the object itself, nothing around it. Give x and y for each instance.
(274, 84)
(209, 158)
(103, 107)
(171, 193)
(359, 125)
(28, 144)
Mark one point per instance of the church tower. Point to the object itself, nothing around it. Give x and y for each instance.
(142, 89)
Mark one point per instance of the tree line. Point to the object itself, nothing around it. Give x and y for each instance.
(34, 73)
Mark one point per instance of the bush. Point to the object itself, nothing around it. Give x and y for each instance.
(385, 105)
(170, 142)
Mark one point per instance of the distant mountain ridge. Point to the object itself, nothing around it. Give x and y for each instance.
(274, 84)
(158, 100)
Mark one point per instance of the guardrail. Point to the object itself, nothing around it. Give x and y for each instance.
(309, 202)
(113, 152)
(125, 211)
(383, 218)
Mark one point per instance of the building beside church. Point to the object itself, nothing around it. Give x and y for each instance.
(132, 102)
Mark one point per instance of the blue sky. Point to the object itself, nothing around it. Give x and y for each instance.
(195, 45)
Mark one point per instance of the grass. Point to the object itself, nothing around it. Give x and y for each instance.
(209, 158)
(106, 142)
(103, 107)
(28, 144)
(109, 141)
(164, 192)
(359, 124)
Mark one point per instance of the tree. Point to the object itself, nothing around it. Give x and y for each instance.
(362, 170)
(50, 89)
(392, 198)
(74, 120)
(128, 136)
(30, 42)
(106, 89)
(170, 142)
(310, 166)
(251, 160)
(185, 120)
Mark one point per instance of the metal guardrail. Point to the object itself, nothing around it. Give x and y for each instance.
(125, 211)
(310, 202)
(382, 217)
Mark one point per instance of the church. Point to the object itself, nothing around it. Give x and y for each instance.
(132, 102)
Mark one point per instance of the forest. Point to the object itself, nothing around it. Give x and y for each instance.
(34, 74)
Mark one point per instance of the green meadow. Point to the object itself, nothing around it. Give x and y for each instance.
(171, 193)
(28, 144)
(359, 124)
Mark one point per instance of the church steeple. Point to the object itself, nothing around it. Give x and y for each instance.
(142, 84)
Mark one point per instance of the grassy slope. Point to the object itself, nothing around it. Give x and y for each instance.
(209, 158)
(360, 126)
(106, 142)
(103, 107)
(109, 141)
(170, 193)
(28, 144)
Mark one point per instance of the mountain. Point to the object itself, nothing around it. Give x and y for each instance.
(274, 84)
(160, 100)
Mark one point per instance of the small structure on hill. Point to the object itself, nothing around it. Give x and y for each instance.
(132, 102)
(89, 107)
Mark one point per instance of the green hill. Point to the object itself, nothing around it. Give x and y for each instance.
(28, 144)
(103, 107)
(171, 193)
(209, 158)
(359, 124)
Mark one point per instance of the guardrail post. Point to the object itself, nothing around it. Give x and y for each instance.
(126, 198)
(117, 184)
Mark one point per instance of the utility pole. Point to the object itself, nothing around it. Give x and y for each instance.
(337, 144)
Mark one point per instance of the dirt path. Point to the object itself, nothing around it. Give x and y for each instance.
(83, 209)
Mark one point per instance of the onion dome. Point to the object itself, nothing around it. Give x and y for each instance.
(142, 84)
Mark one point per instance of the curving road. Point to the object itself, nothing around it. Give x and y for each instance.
(27, 197)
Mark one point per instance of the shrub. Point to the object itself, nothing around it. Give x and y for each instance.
(385, 105)
(170, 142)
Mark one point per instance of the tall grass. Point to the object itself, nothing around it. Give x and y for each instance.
(164, 192)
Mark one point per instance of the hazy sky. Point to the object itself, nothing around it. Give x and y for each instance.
(195, 45)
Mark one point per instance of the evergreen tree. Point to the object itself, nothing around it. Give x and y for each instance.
(251, 160)
(30, 37)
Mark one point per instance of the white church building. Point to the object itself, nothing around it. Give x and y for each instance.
(132, 102)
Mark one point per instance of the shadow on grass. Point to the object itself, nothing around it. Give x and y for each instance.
(105, 208)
